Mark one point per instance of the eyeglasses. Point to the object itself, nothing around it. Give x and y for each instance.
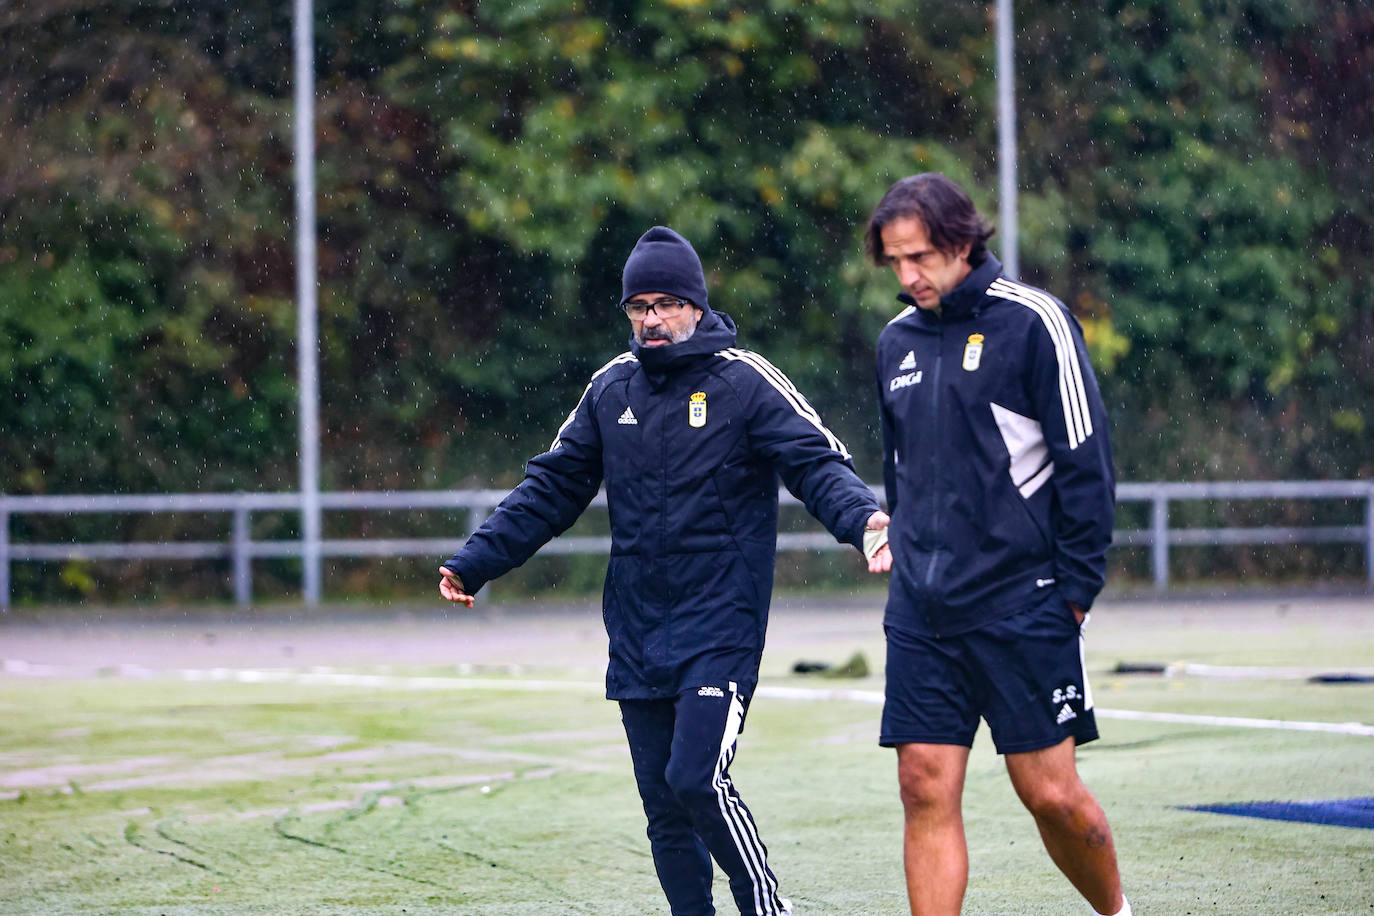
(664, 308)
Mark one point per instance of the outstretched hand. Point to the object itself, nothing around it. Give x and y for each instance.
(451, 587)
(876, 548)
(881, 561)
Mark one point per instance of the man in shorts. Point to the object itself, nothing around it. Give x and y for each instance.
(1001, 490)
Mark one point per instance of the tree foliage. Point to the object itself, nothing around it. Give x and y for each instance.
(1193, 183)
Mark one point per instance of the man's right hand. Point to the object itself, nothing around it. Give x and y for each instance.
(881, 561)
(451, 587)
(876, 549)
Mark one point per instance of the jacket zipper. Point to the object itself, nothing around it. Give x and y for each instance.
(934, 459)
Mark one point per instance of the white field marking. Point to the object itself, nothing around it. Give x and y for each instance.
(61, 774)
(1241, 672)
(1339, 728)
(560, 736)
(13, 784)
(870, 697)
(342, 679)
(875, 698)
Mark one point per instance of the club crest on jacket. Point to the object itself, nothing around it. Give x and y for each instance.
(696, 410)
(973, 352)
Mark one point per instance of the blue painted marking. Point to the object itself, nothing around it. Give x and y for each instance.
(1338, 812)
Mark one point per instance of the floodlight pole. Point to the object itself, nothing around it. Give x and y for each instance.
(1006, 136)
(307, 325)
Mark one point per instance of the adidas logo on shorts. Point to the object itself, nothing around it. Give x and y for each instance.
(710, 692)
(1066, 714)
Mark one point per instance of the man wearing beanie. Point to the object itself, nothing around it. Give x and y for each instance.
(690, 435)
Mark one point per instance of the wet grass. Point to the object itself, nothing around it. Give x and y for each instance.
(160, 795)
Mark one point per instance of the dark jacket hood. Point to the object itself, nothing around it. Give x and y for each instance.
(716, 331)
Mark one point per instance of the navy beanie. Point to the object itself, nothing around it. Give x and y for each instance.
(664, 262)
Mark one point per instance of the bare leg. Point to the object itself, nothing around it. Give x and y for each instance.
(934, 852)
(1071, 822)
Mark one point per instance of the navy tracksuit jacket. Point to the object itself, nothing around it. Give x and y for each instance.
(997, 461)
(690, 440)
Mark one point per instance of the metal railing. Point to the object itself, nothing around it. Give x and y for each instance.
(1159, 536)
(241, 549)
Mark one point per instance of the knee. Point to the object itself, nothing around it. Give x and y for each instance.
(692, 786)
(1055, 801)
(921, 786)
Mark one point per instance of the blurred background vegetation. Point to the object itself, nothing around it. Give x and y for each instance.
(1194, 184)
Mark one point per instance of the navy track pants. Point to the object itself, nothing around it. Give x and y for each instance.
(682, 750)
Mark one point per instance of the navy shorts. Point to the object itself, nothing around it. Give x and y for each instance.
(1023, 674)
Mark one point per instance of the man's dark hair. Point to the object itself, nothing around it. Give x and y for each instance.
(943, 207)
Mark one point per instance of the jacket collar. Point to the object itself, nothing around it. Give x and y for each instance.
(966, 299)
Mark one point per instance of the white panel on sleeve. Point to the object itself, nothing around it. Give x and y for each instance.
(1031, 466)
(1072, 392)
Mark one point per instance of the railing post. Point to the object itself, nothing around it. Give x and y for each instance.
(1369, 537)
(4, 559)
(243, 557)
(477, 514)
(1159, 540)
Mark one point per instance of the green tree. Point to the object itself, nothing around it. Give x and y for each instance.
(1193, 185)
(138, 202)
(1197, 248)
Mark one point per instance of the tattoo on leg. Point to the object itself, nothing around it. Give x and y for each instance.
(1096, 838)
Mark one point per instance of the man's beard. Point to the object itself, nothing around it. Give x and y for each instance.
(647, 334)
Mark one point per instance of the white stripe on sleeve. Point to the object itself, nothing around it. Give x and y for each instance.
(784, 386)
(622, 358)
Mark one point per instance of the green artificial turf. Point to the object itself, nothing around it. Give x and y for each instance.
(160, 795)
